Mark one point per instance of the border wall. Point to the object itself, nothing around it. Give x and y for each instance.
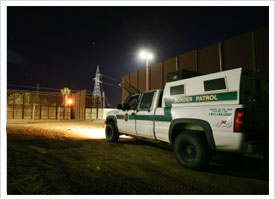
(32, 105)
(36, 105)
(250, 51)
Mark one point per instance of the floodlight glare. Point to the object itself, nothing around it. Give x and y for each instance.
(149, 56)
(143, 54)
(70, 101)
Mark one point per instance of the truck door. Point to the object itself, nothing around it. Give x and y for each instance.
(145, 115)
(126, 116)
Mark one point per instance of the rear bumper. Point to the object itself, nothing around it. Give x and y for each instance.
(255, 147)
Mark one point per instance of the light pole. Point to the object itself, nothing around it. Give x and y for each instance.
(147, 56)
(65, 91)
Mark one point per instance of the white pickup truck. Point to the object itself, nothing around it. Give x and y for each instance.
(197, 115)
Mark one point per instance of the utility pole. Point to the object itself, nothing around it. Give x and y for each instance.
(97, 91)
(97, 95)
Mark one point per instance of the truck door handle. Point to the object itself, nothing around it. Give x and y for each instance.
(133, 114)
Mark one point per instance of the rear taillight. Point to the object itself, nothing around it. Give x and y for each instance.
(240, 120)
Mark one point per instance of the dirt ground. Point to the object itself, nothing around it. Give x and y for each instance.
(72, 157)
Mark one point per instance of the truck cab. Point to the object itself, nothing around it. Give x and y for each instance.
(136, 115)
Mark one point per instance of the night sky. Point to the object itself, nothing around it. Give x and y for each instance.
(61, 46)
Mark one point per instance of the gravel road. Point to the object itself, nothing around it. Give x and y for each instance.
(72, 157)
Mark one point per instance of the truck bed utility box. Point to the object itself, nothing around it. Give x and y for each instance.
(181, 74)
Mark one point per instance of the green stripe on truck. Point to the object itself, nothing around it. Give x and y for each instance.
(212, 97)
(162, 118)
(167, 117)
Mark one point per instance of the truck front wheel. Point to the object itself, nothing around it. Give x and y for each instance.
(191, 150)
(111, 133)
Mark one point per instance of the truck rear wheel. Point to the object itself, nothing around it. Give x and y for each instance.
(111, 133)
(191, 150)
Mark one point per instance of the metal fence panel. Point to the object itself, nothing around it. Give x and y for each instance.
(169, 65)
(88, 113)
(38, 105)
(10, 112)
(188, 61)
(238, 52)
(208, 58)
(18, 111)
(125, 78)
(27, 111)
(79, 100)
(134, 79)
(156, 76)
(52, 113)
(34, 105)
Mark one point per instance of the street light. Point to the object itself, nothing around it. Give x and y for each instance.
(148, 56)
(70, 101)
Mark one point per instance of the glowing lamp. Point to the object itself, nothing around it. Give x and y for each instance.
(144, 54)
(70, 101)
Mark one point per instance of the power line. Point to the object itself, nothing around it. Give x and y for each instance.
(110, 78)
(111, 85)
(22, 90)
(21, 86)
(109, 68)
(25, 86)
(45, 88)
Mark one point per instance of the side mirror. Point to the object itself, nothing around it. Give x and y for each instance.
(125, 106)
(119, 106)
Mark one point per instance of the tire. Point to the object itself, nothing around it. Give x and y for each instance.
(191, 150)
(111, 133)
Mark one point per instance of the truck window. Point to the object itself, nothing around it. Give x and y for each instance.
(146, 101)
(214, 84)
(179, 89)
(131, 102)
